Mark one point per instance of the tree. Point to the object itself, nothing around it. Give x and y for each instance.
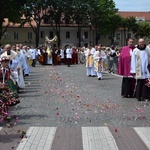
(80, 15)
(95, 14)
(131, 23)
(128, 24)
(34, 12)
(114, 24)
(56, 13)
(44, 10)
(92, 13)
(10, 9)
(142, 30)
(124, 25)
(102, 17)
(110, 25)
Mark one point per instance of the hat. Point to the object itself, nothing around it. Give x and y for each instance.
(4, 58)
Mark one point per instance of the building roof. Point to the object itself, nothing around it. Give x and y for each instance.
(5, 23)
(126, 14)
(144, 16)
(27, 25)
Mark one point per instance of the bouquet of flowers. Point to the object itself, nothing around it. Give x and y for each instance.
(7, 99)
(147, 82)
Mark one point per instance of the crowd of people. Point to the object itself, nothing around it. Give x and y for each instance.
(132, 62)
(77, 55)
(15, 62)
(134, 66)
(67, 55)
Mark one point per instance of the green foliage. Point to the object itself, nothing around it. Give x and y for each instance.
(10, 9)
(100, 14)
(142, 30)
(128, 24)
(34, 11)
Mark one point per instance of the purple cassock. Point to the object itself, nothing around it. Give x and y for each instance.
(125, 61)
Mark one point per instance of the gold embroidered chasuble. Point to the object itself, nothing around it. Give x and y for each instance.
(89, 59)
(138, 65)
(98, 64)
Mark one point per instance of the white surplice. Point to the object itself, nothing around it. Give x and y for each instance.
(89, 53)
(143, 65)
(99, 59)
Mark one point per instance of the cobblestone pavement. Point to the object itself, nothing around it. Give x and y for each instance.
(63, 109)
(65, 96)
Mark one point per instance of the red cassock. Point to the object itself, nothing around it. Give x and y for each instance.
(124, 65)
(74, 56)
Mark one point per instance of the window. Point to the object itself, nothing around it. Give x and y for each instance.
(6, 35)
(86, 35)
(51, 34)
(118, 36)
(15, 35)
(67, 34)
(29, 35)
(42, 34)
(129, 35)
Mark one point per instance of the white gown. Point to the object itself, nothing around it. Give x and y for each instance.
(96, 60)
(143, 63)
(49, 61)
(90, 69)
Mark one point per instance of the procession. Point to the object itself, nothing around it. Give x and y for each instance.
(132, 62)
(74, 75)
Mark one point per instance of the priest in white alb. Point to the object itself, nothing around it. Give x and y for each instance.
(99, 57)
(89, 53)
(139, 69)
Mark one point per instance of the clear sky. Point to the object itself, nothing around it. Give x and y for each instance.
(133, 5)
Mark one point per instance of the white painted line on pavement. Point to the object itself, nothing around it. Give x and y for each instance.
(38, 138)
(1, 128)
(144, 134)
(117, 75)
(96, 138)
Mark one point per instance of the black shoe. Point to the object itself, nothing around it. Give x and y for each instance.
(140, 99)
(99, 78)
(111, 71)
(26, 75)
(89, 75)
(93, 76)
(126, 96)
